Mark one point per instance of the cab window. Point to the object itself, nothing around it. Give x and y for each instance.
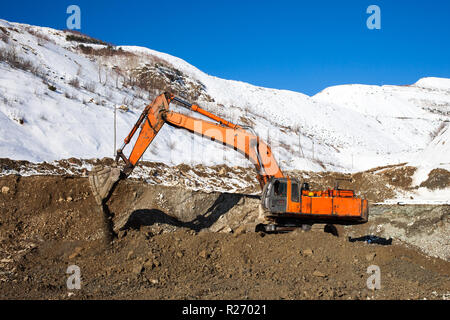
(280, 189)
(294, 192)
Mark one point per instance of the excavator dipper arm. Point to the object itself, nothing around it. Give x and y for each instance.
(150, 121)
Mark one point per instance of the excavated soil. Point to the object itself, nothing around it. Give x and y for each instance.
(376, 185)
(437, 179)
(175, 243)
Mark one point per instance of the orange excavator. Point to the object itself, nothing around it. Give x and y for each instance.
(285, 202)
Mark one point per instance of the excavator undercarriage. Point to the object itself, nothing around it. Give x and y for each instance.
(285, 202)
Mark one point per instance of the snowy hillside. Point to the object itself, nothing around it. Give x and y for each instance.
(58, 91)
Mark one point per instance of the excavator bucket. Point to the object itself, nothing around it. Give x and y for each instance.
(102, 180)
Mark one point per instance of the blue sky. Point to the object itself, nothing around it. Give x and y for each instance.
(304, 46)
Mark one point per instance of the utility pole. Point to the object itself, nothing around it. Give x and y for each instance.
(300, 146)
(353, 150)
(115, 127)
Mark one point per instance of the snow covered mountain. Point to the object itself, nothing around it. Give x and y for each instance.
(59, 89)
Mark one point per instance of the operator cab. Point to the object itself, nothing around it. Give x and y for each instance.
(281, 194)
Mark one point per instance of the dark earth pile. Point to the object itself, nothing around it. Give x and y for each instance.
(164, 249)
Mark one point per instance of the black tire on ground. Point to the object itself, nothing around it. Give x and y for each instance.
(329, 228)
(260, 228)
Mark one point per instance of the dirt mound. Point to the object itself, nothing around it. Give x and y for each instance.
(399, 176)
(426, 227)
(62, 206)
(137, 204)
(187, 265)
(165, 248)
(45, 208)
(437, 179)
(372, 186)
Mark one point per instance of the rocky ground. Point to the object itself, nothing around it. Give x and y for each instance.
(173, 242)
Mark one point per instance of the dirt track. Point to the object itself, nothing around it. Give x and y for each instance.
(167, 248)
